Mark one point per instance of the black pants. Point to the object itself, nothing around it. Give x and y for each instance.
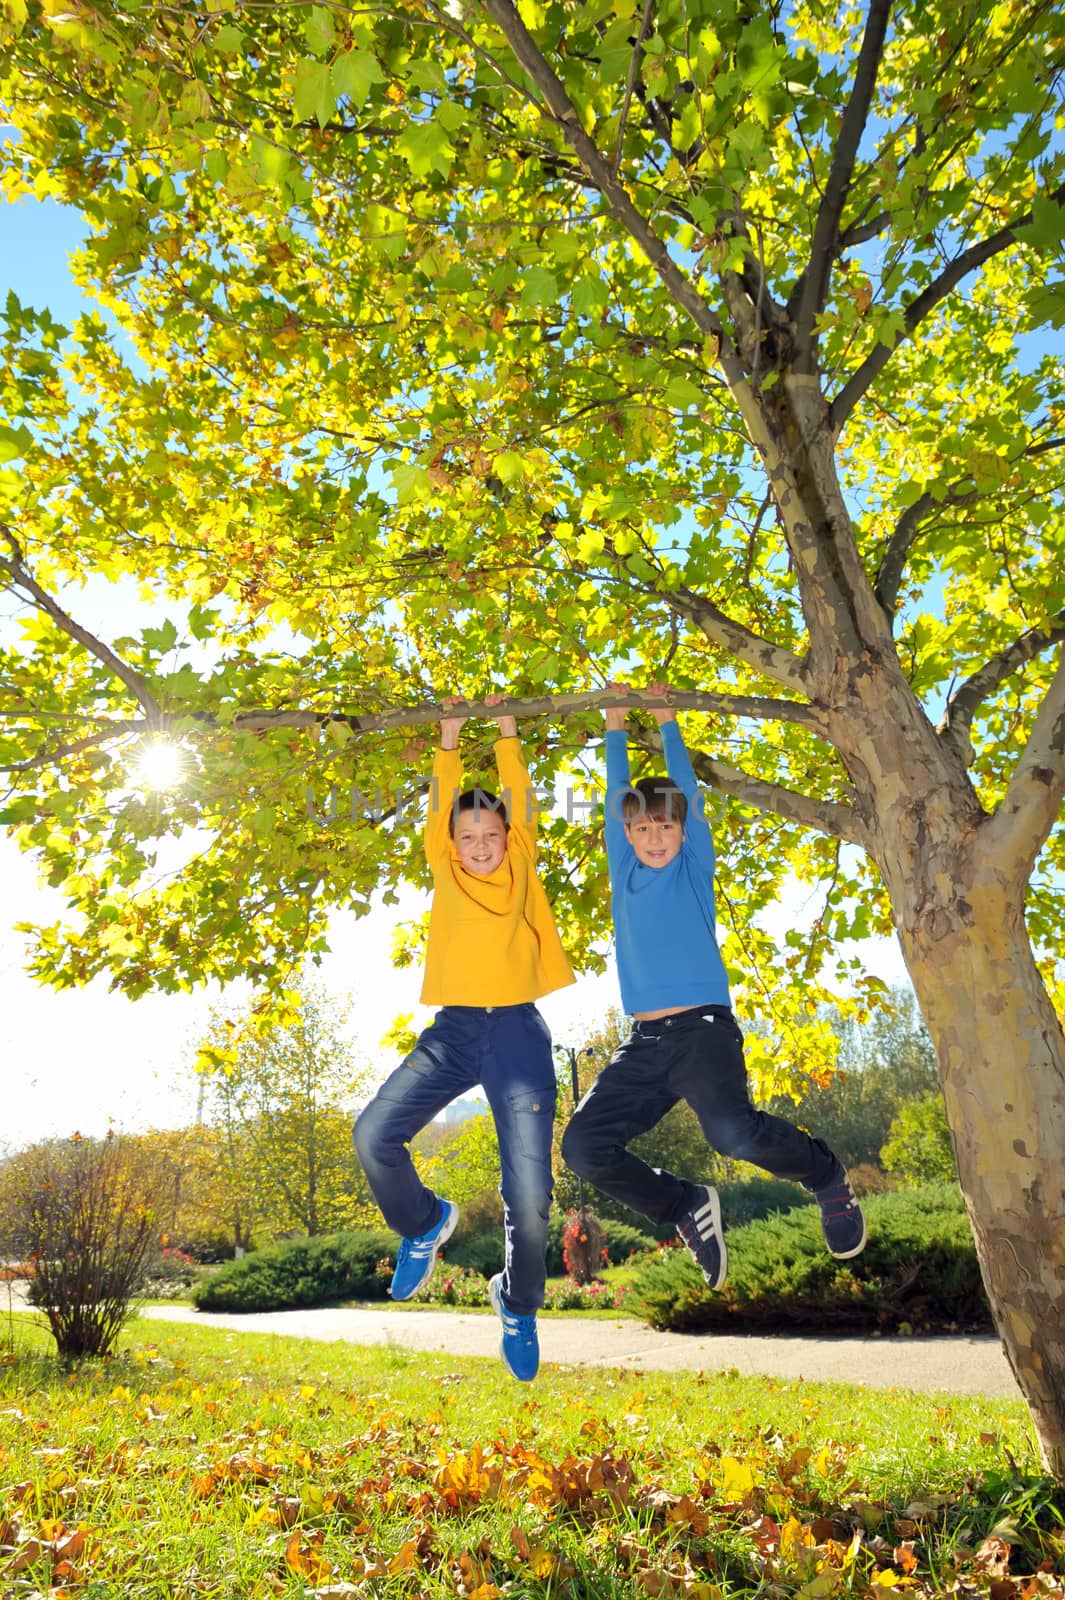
(696, 1056)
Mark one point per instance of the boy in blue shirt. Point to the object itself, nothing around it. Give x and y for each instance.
(685, 1043)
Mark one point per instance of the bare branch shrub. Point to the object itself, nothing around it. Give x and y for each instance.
(84, 1215)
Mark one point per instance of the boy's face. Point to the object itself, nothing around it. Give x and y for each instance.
(656, 840)
(480, 840)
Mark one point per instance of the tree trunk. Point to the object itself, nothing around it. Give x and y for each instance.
(998, 1041)
(1002, 1063)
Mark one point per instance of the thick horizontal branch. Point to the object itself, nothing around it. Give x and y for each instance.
(547, 705)
(1014, 836)
(962, 706)
(822, 816)
(921, 307)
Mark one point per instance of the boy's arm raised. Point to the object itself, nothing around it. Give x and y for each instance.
(618, 779)
(697, 835)
(516, 784)
(446, 781)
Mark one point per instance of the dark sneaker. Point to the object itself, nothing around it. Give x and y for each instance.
(700, 1228)
(841, 1217)
(417, 1257)
(519, 1346)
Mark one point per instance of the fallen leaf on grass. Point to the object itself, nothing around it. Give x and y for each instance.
(304, 1557)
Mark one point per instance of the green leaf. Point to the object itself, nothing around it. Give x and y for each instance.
(509, 466)
(319, 30)
(539, 287)
(161, 639)
(14, 442)
(590, 296)
(354, 74)
(312, 94)
(426, 148)
(411, 482)
(229, 40)
(682, 393)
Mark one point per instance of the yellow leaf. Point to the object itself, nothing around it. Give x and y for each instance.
(735, 1478)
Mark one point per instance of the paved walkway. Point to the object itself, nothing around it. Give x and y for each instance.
(962, 1365)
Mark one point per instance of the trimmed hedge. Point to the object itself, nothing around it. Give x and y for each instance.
(303, 1272)
(917, 1271)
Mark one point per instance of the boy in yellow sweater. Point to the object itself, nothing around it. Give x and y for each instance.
(493, 950)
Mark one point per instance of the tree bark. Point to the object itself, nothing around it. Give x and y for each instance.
(958, 905)
(1001, 1054)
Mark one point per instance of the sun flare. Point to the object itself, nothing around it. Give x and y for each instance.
(159, 766)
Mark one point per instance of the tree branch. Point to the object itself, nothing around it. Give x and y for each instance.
(825, 246)
(634, 71)
(559, 108)
(889, 577)
(821, 816)
(772, 660)
(262, 721)
(957, 719)
(16, 570)
(923, 305)
(1012, 839)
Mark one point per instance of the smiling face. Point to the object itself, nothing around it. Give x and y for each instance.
(480, 840)
(655, 840)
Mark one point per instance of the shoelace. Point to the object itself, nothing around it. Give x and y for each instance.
(838, 1199)
(412, 1247)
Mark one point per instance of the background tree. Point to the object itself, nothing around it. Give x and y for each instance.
(197, 1217)
(883, 1063)
(918, 1146)
(281, 1103)
(482, 347)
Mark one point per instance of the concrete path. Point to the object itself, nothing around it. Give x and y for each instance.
(962, 1365)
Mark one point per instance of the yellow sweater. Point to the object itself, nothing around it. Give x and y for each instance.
(492, 938)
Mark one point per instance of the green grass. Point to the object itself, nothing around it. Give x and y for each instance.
(206, 1463)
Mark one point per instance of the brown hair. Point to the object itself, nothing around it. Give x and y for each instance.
(476, 800)
(657, 798)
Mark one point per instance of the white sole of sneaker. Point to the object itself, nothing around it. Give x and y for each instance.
(715, 1213)
(495, 1300)
(845, 1255)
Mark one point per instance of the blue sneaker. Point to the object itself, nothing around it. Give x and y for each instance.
(519, 1346)
(417, 1257)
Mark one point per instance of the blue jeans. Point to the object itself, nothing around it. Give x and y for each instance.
(507, 1050)
(697, 1056)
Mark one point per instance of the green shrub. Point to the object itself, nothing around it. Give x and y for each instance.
(750, 1199)
(483, 1253)
(918, 1270)
(303, 1272)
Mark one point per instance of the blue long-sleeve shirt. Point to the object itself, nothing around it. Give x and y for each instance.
(664, 917)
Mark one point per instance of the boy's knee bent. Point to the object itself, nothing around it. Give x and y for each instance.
(737, 1137)
(365, 1133)
(581, 1150)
